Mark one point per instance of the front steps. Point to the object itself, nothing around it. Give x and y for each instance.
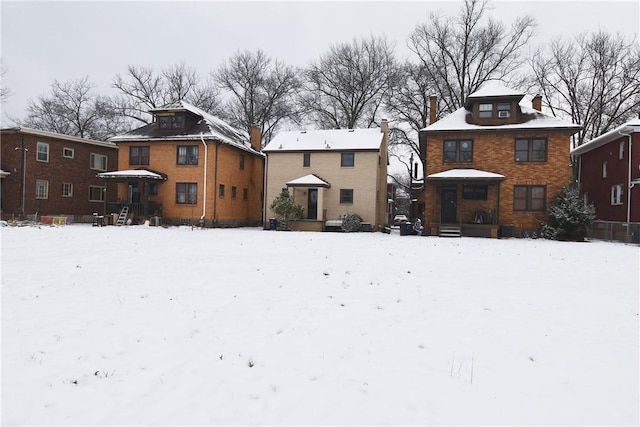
(450, 231)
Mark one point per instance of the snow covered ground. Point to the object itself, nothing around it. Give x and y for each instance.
(152, 326)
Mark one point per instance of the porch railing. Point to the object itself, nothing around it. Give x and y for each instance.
(136, 209)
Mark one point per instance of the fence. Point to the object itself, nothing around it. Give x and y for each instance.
(613, 230)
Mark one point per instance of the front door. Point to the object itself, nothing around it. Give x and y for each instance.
(449, 206)
(312, 205)
(134, 193)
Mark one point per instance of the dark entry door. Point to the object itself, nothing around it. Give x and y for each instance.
(449, 206)
(312, 205)
(134, 193)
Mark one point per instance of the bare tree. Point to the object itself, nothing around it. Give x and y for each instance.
(71, 108)
(260, 91)
(345, 88)
(593, 79)
(4, 91)
(142, 89)
(460, 53)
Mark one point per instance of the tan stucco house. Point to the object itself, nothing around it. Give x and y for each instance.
(329, 173)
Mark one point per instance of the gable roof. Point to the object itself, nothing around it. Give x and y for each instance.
(208, 127)
(631, 126)
(326, 140)
(310, 180)
(457, 121)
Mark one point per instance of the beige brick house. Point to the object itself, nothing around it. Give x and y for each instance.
(494, 165)
(329, 173)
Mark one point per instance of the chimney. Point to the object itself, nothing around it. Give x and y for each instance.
(384, 126)
(433, 109)
(536, 102)
(255, 139)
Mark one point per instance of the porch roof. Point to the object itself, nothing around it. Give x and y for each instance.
(133, 174)
(310, 180)
(465, 174)
(4, 173)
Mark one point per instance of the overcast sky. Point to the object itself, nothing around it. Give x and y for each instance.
(43, 41)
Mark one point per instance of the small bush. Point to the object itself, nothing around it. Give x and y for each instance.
(570, 216)
(351, 222)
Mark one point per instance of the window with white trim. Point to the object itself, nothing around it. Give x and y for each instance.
(42, 189)
(67, 189)
(621, 150)
(186, 193)
(617, 191)
(98, 162)
(42, 152)
(68, 153)
(485, 111)
(604, 169)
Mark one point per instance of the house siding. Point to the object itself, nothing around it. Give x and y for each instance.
(598, 188)
(56, 171)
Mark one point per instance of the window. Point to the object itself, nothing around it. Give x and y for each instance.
(42, 152)
(67, 189)
(221, 190)
(458, 151)
(529, 198)
(170, 122)
(531, 150)
(346, 196)
(187, 155)
(485, 111)
(306, 160)
(245, 194)
(474, 192)
(241, 161)
(604, 169)
(98, 162)
(186, 193)
(234, 192)
(138, 155)
(504, 110)
(42, 189)
(347, 159)
(616, 194)
(621, 150)
(68, 153)
(96, 194)
(153, 188)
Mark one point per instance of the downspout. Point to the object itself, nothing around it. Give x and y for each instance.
(204, 187)
(215, 187)
(628, 135)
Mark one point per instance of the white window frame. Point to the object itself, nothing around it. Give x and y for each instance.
(42, 189)
(604, 169)
(68, 153)
(67, 189)
(485, 110)
(621, 150)
(93, 160)
(617, 192)
(45, 146)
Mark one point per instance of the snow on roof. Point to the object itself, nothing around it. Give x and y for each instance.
(38, 132)
(132, 173)
(332, 139)
(494, 88)
(629, 127)
(465, 174)
(209, 127)
(457, 121)
(4, 173)
(310, 180)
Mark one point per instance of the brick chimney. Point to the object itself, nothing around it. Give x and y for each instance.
(433, 109)
(255, 139)
(536, 102)
(384, 126)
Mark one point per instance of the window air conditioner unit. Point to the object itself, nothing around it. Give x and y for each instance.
(503, 114)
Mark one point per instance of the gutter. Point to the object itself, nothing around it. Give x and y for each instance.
(204, 193)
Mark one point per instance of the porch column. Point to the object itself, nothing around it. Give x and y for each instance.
(320, 207)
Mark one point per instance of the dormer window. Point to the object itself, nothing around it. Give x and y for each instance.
(504, 110)
(170, 122)
(485, 111)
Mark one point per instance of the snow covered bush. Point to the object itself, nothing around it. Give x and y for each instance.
(351, 222)
(286, 210)
(570, 216)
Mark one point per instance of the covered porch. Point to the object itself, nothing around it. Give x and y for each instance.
(466, 201)
(309, 191)
(140, 185)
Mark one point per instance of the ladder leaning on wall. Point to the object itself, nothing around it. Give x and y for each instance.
(122, 218)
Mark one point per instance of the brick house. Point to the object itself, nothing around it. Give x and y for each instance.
(609, 173)
(494, 165)
(329, 173)
(49, 174)
(189, 167)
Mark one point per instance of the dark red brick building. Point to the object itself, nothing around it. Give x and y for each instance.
(45, 173)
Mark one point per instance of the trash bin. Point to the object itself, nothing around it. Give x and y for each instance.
(406, 229)
(273, 224)
(506, 230)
